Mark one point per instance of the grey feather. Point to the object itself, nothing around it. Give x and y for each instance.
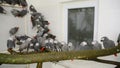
(107, 43)
(96, 45)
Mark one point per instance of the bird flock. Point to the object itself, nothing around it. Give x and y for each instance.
(44, 40)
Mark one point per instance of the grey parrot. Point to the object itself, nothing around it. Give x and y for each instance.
(23, 3)
(85, 46)
(15, 12)
(96, 45)
(107, 43)
(57, 46)
(118, 40)
(70, 46)
(2, 10)
(25, 44)
(13, 30)
(49, 44)
(18, 13)
(64, 46)
(11, 43)
(36, 19)
(22, 37)
(32, 8)
(22, 13)
(37, 47)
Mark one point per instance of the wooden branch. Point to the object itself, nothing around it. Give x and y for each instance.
(55, 56)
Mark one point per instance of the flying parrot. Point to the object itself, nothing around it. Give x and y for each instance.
(13, 30)
(32, 8)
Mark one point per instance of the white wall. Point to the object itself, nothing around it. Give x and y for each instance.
(109, 22)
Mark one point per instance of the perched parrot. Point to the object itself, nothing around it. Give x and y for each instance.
(11, 42)
(37, 47)
(64, 46)
(70, 46)
(22, 37)
(25, 44)
(107, 43)
(85, 46)
(96, 45)
(13, 30)
(56, 46)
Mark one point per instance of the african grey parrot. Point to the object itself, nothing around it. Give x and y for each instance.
(25, 44)
(18, 13)
(37, 47)
(23, 3)
(11, 42)
(13, 30)
(107, 43)
(36, 19)
(32, 8)
(96, 45)
(85, 46)
(64, 46)
(22, 13)
(57, 46)
(118, 40)
(2, 10)
(70, 46)
(49, 44)
(15, 12)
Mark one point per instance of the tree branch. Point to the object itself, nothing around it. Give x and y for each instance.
(55, 56)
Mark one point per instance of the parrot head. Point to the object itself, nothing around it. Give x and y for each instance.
(104, 39)
(83, 43)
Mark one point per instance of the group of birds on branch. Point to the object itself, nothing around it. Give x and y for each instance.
(44, 40)
(47, 41)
